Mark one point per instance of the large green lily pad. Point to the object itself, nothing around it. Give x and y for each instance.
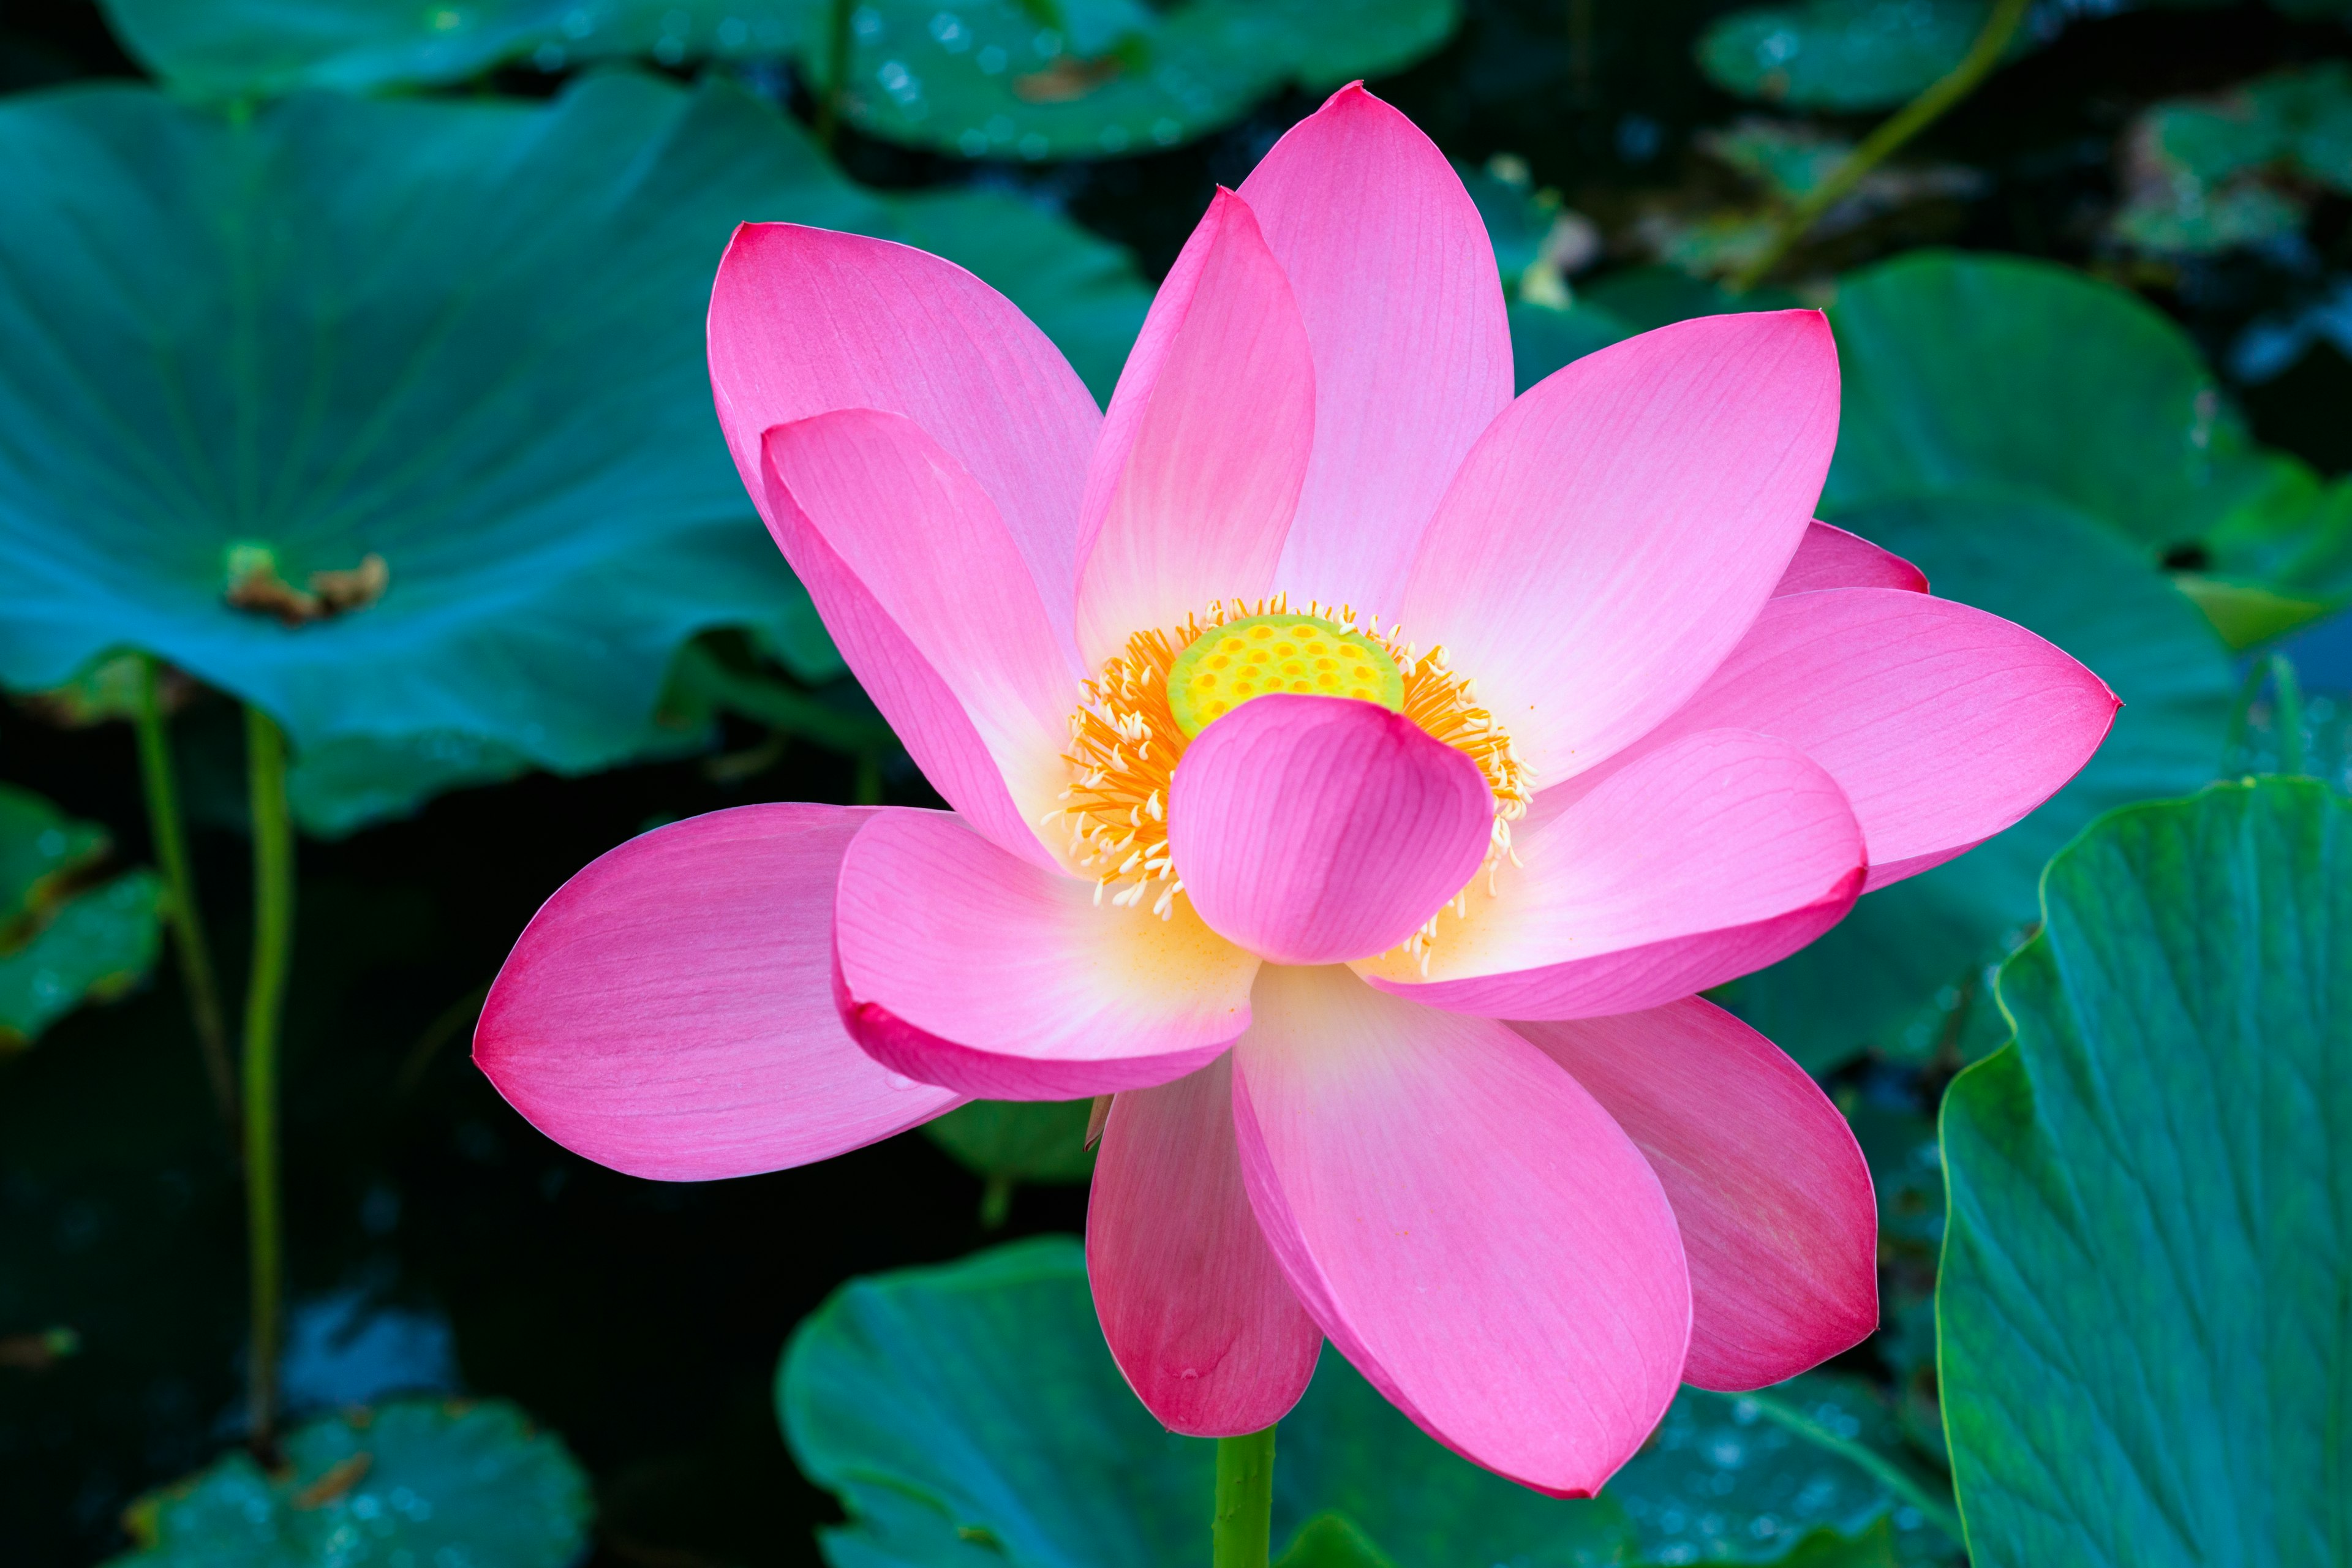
(1092, 79)
(233, 48)
(970, 1413)
(1844, 54)
(410, 1484)
(1892, 975)
(1977, 373)
(2145, 1359)
(462, 338)
(64, 941)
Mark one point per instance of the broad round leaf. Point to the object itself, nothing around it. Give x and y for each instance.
(1844, 54)
(232, 48)
(463, 339)
(63, 940)
(970, 1414)
(411, 1482)
(2151, 1242)
(1094, 78)
(1879, 973)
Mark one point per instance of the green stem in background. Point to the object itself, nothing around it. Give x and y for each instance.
(837, 74)
(2286, 713)
(1242, 1535)
(1936, 1510)
(164, 826)
(996, 1201)
(867, 790)
(264, 1002)
(1892, 132)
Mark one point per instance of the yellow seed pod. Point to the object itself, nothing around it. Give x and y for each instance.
(1227, 665)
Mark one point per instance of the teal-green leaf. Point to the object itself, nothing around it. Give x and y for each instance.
(970, 1415)
(232, 48)
(410, 1484)
(1984, 372)
(1023, 1141)
(995, 78)
(465, 337)
(2144, 1353)
(1332, 1541)
(1891, 973)
(1844, 54)
(63, 942)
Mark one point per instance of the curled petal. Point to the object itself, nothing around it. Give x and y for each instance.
(960, 965)
(1778, 1221)
(805, 320)
(1466, 1223)
(669, 1011)
(1192, 488)
(1191, 1300)
(1316, 829)
(1714, 856)
(1831, 558)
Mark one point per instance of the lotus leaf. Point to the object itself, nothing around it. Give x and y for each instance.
(412, 1481)
(2144, 1285)
(1844, 54)
(391, 416)
(63, 941)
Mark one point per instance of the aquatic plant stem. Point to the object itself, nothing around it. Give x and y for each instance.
(160, 785)
(265, 1000)
(1881, 143)
(1241, 1536)
(837, 74)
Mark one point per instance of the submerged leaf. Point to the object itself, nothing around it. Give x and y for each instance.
(2143, 1289)
(423, 1482)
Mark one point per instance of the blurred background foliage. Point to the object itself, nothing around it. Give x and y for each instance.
(351, 367)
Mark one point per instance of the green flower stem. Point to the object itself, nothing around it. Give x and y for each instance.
(1245, 1522)
(837, 74)
(1936, 1509)
(265, 1001)
(164, 826)
(1882, 142)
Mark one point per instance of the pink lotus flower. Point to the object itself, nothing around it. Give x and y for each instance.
(1355, 771)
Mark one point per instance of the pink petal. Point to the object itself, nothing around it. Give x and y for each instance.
(1191, 1300)
(1316, 829)
(1613, 533)
(1778, 1221)
(1942, 725)
(1466, 1224)
(1396, 282)
(1194, 480)
(923, 711)
(924, 541)
(804, 321)
(961, 966)
(1711, 856)
(1831, 558)
(668, 1012)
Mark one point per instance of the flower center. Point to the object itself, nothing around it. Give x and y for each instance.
(1227, 665)
(1128, 734)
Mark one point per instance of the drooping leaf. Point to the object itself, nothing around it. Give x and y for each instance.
(2143, 1296)
(1332, 1541)
(1996, 374)
(997, 79)
(970, 1414)
(413, 1482)
(232, 48)
(1891, 973)
(1844, 54)
(461, 338)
